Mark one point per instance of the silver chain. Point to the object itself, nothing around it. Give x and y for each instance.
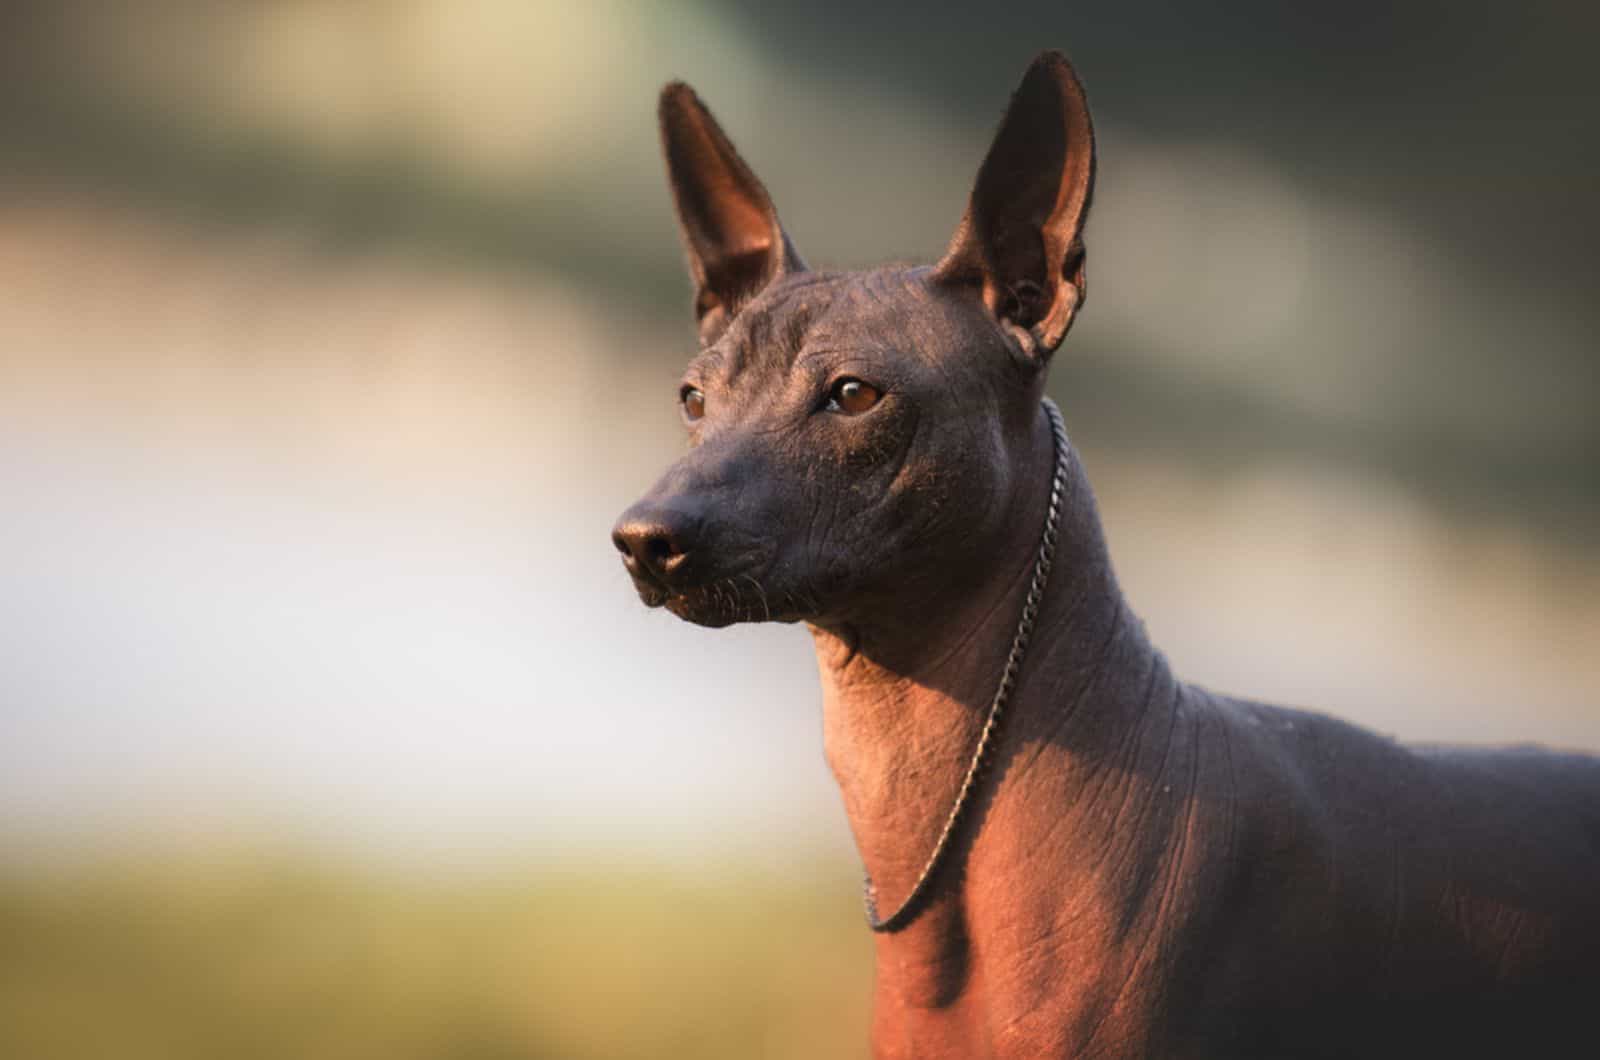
(1008, 679)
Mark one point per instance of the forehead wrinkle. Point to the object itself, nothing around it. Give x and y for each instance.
(881, 309)
(772, 330)
(874, 308)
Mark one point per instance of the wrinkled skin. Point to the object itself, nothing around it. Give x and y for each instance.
(1150, 869)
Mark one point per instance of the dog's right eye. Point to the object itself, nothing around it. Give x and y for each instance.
(694, 403)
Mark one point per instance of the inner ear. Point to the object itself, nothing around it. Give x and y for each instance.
(734, 243)
(1021, 238)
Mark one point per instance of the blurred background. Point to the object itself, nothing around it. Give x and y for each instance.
(335, 333)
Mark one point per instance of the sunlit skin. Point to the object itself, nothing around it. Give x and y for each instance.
(1151, 869)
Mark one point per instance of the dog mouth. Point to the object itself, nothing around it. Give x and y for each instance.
(723, 601)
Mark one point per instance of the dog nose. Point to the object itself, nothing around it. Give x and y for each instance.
(652, 543)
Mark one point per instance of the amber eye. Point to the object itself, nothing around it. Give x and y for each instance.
(852, 397)
(694, 403)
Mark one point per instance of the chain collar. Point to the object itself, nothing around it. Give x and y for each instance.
(907, 910)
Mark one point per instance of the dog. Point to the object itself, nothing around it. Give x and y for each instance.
(1070, 852)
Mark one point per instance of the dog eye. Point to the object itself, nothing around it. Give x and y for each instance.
(852, 397)
(694, 403)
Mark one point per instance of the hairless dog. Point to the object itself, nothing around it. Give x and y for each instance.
(1070, 852)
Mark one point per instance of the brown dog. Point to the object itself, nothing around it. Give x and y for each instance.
(1145, 868)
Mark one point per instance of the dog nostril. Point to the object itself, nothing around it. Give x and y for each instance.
(650, 545)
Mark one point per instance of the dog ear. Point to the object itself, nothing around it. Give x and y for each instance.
(730, 229)
(1021, 241)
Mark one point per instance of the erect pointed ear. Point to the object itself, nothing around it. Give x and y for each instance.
(1021, 240)
(730, 228)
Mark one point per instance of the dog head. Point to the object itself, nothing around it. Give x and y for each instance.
(856, 437)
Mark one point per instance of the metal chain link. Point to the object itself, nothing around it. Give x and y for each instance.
(1008, 678)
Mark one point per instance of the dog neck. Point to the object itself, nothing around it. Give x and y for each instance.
(904, 698)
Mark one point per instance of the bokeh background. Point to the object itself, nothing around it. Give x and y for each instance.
(334, 333)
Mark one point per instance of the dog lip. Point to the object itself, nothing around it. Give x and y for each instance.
(650, 589)
(657, 591)
(687, 594)
(689, 606)
(651, 593)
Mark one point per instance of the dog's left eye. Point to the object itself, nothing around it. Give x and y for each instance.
(852, 397)
(694, 403)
